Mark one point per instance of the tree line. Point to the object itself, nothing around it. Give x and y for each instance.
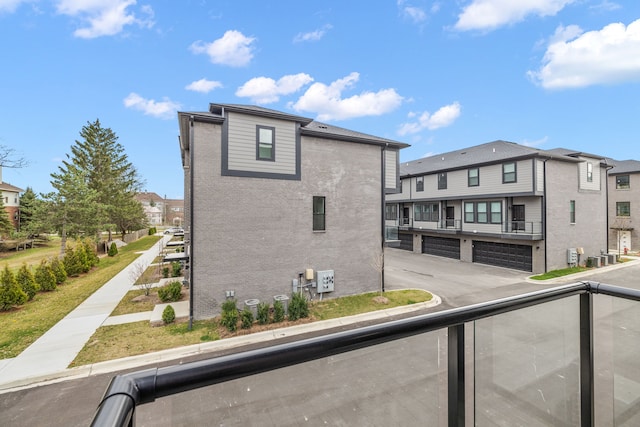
(95, 188)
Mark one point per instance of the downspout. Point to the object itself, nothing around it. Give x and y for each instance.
(544, 210)
(606, 184)
(382, 213)
(191, 292)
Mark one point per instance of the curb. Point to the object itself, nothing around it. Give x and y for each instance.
(208, 347)
(573, 277)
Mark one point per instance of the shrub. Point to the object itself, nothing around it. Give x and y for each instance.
(278, 312)
(263, 313)
(27, 282)
(176, 269)
(168, 315)
(10, 292)
(246, 318)
(44, 276)
(72, 264)
(170, 292)
(229, 317)
(113, 249)
(58, 270)
(298, 307)
(92, 253)
(165, 272)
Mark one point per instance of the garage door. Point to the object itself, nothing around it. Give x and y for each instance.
(406, 241)
(441, 246)
(506, 255)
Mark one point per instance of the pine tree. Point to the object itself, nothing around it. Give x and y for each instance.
(6, 226)
(31, 213)
(27, 282)
(57, 267)
(10, 292)
(44, 276)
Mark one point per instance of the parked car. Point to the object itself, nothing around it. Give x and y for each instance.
(173, 230)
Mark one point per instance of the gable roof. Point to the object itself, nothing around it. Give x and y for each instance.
(5, 186)
(625, 166)
(488, 153)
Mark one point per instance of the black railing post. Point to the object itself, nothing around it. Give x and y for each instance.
(455, 388)
(587, 390)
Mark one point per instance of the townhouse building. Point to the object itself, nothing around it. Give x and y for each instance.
(275, 201)
(502, 204)
(624, 205)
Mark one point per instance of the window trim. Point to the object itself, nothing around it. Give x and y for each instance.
(474, 216)
(476, 178)
(271, 158)
(420, 183)
(514, 173)
(623, 186)
(391, 211)
(589, 172)
(572, 211)
(426, 212)
(628, 210)
(322, 214)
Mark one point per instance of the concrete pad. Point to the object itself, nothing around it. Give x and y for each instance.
(127, 318)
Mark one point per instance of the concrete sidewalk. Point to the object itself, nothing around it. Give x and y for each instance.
(56, 349)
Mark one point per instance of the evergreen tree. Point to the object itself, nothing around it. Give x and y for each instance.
(72, 263)
(27, 282)
(31, 213)
(6, 226)
(59, 272)
(44, 276)
(10, 292)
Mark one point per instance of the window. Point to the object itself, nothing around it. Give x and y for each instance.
(318, 213)
(265, 143)
(508, 173)
(496, 213)
(473, 177)
(622, 182)
(425, 212)
(420, 183)
(572, 211)
(623, 208)
(589, 172)
(469, 212)
(391, 212)
(442, 181)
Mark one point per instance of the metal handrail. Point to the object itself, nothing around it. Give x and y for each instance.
(128, 390)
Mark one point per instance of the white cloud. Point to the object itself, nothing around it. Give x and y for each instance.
(313, 35)
(328, 104)
(10, 6)
(414, 13)
(444, 117)
(574, 59)
(491, 14)
(605, 6)
(264, 90)
(165, 109)
(104, 17)
(233, 49)
(535, 143)
(203, 85)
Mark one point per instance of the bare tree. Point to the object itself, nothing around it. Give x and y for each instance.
(9, 158)
(137, 270)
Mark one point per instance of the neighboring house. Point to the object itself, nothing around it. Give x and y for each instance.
(624, 205)
(11, 200)
(502, 204)
(274, 200)
(162, 211)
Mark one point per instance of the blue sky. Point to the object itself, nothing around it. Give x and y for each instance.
(439, 75)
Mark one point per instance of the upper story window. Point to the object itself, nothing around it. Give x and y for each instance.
(319, 213)
(572, 211)
(589, 172)
(265, 143)
(426, 212)
(473, 177)
(623, 208)
(483, 212)
(420, 183)
(442, 181)
(622, 182)
(509, 172)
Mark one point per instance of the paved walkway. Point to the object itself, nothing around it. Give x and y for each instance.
(56, 349)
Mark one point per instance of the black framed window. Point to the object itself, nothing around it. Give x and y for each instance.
(483, 212)
(495, 213)
(473, 177)
(265, 143)
(589, 172)
(420, 183)
(509, 173)
(469, 212)
(623, 208)
(391, 212)
(442, 181)
(319, 220)
(572, 211)
(622, 182)
(425, 212)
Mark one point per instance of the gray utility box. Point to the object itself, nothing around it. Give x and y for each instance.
(325, 280)
(284, 300)
(252, 304)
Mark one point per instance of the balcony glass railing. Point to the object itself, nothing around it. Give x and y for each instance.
(551, 357)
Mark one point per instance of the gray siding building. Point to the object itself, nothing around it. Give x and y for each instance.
(624, 205)
(273, 198)
(502, 204)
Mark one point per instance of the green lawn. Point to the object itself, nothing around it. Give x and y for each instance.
(24, 325)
